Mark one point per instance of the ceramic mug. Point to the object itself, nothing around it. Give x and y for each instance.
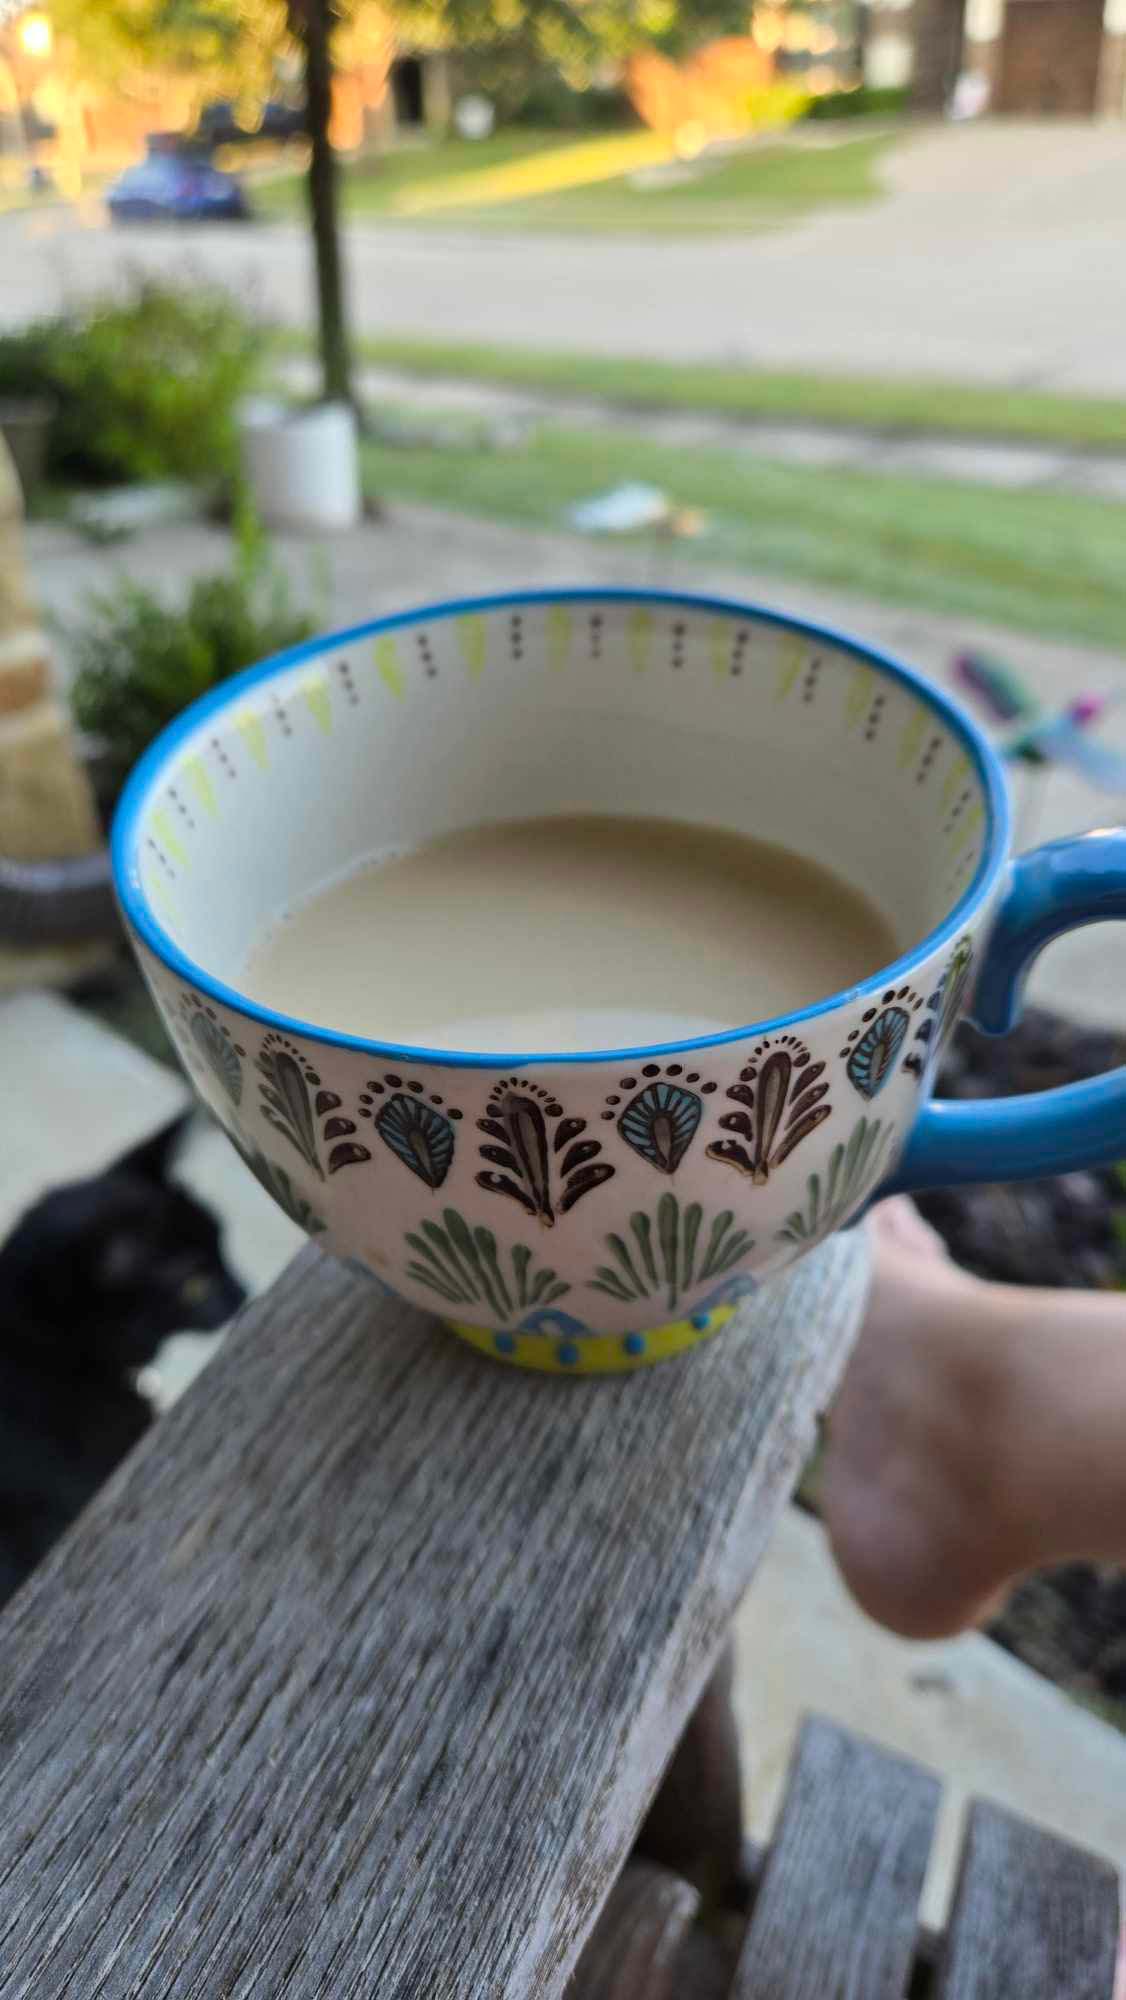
(605, 1209)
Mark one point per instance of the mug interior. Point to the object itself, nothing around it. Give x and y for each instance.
(370, 742)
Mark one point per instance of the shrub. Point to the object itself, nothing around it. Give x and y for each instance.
(549, 104)
(138, 661)
(144, 385)
(526, 89)
(860, 103)
(776, 105)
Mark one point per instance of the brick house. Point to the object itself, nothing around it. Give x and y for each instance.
(1062, 58)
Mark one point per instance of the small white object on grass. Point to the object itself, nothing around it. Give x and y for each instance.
(622, 511)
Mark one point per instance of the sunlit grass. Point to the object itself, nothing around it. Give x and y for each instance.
(887, 403)
(542, 181)
(1046, 562)
(546, 171)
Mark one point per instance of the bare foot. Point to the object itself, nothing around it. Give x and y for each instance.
(918, 1492)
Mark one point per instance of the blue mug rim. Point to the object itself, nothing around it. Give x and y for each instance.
(125, 843)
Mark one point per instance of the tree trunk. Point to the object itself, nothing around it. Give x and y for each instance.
(313, 20)
(939, 30)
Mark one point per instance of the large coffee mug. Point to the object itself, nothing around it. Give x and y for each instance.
(605, 1209)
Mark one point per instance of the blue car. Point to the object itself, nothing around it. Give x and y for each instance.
(165, 188)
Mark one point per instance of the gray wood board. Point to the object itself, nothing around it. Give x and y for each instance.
(357, 1678)
(1034, 1918)
(635, 1951)
(836, 1914)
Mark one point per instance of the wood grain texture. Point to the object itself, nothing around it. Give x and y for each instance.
(695, 1823)
(635, 1949)
(706, 1966)
(647, 1945)
(358, 1678)
(1033, 1916)
(837, 1909)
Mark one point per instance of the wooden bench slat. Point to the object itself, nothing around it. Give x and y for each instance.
(705, 1968)
(635, 1948)
(836, 1914)
(358, 1677)
(695, 1824)
(1034, 1918)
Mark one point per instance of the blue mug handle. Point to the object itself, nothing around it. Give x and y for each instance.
(1056, 888)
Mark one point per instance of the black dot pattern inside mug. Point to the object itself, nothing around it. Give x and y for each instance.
(348, 683)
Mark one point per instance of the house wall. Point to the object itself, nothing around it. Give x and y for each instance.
(1050, 57)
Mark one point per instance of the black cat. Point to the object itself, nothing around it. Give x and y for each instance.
(92, 1279)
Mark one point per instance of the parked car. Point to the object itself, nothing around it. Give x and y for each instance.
(170, 188)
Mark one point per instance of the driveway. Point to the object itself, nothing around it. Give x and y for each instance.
(998, 256)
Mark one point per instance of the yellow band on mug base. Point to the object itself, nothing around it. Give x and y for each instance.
(594, 1353)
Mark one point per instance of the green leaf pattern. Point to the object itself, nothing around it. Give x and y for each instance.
(670, 1257)
(464, 1267)
(854, 1168)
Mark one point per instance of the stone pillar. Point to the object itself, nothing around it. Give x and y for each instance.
(437, 95)
(888, 43)
(1110, 93)
(46, 805)
(984, 32)
(47, 810)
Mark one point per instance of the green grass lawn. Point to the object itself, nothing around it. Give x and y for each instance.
(768, 184)
(1042, 562)
(880, 403)
(369, 187)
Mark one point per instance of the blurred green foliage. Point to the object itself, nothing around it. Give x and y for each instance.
(862, 103)
(138, 660)
(144, 383)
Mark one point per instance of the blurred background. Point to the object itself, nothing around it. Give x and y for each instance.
(312, 311)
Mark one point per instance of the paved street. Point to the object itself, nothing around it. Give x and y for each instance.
(998, 256)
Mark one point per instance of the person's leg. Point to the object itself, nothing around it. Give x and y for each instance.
(980, 1431)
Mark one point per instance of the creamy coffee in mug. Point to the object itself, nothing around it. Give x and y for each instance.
(554, 934)
(379, 841)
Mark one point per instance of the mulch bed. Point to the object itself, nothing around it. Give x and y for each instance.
(1068, 1623)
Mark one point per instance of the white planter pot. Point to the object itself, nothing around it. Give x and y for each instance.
(302, 466)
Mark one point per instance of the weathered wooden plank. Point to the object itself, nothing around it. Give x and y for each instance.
(695, 1823)
(358, 1677)
(635, 1950)
(1033, 1916)
(647, 1945)
(836, 1913)
(706, 1965)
